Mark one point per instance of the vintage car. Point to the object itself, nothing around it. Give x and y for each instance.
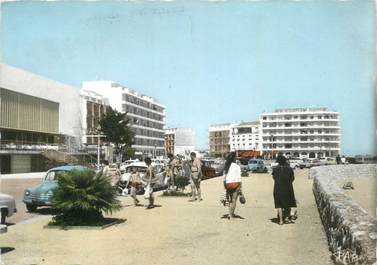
(41, 194)
(208, 171)
(305, 163)
(141, 167)
(257, 166)
(7, 207)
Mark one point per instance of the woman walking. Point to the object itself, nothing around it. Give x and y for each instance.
(232, 182)
(284, 196)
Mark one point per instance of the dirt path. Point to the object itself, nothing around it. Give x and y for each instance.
(180, 232)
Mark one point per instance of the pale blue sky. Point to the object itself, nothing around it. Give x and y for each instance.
(209, 62)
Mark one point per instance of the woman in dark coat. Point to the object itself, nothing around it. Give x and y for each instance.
(284, 196)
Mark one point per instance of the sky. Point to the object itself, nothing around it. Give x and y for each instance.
(209, 62)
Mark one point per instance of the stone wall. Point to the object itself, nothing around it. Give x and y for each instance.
(351, 232)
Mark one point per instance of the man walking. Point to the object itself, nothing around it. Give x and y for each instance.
(172, 171)
(195, 178)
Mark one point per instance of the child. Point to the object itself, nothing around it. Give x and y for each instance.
(135, 179)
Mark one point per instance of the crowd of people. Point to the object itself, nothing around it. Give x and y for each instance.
(283, 177)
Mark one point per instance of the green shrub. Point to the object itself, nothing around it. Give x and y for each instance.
(181, 182)
(81, 197)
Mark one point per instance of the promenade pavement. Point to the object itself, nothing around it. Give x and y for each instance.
(182, 232)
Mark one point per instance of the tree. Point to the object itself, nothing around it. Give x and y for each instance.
(115, 126)
(82, 196)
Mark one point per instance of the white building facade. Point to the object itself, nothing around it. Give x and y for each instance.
(301, 132)
(146, 114)
(180, 141)
(36, 114)
(245, 136)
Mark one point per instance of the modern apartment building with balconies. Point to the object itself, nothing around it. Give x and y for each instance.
(301, 132)
(146, 114)
(245, 137)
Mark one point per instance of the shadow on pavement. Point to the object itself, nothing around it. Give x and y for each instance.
(226, 216)
(276, 221)
(4, 250)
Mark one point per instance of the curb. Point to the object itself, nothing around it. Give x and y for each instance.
(58, 227)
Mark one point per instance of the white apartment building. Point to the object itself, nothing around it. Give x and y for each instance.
(245, 136)
(301, 132)
(146, 114)
(180, 141)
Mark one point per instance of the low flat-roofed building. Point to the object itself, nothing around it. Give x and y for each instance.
(36, 114)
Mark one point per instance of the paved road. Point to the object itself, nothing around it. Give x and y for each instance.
(16, 187)
(180, 232)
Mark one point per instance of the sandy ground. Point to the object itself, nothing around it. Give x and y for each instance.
(182, 232)
(365, 193)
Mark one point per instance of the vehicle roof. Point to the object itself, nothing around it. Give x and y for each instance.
(69, 168)
(137, 164)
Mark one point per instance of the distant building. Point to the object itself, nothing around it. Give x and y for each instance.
(146, 114)
(245, 137)
(36, 114)
(219, 139)
(301, 132)
(179, 141)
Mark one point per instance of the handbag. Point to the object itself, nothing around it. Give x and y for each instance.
(148, 191)
(242, 198)
(232, 186)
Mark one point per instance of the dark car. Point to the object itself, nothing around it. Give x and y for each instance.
(208, 171)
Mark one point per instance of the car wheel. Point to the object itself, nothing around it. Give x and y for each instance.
(3, 215)
(265, 170)
(31, 208)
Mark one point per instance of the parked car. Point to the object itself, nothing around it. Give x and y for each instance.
(305, 163)
(41, 195)
(141, 167)
(257, 166)
(317, 162)
(7, 207)
(219, 166)
(208, 171)
(294, 163)
(244, 164)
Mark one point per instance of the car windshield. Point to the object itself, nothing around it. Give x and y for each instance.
(138, 169)
(253, 162)
(53, 175)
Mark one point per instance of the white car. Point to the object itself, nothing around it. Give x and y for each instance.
(7, 207)
(141, 167)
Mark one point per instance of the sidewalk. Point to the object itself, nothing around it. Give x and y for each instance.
(34, 175)
(185, 233)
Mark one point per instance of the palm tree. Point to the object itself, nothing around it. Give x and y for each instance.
(82, 197)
